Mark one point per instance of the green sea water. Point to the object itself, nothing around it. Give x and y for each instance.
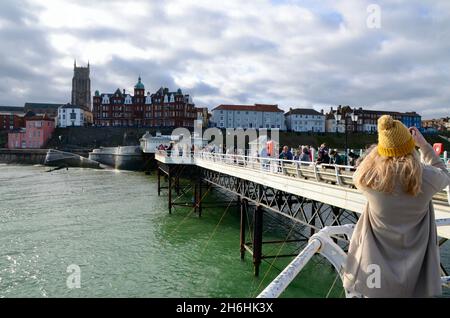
(116, 229)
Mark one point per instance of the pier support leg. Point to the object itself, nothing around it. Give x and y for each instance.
(243, 205)
(170, 190)
(257, 238)
(159, 182)
(177, 184)
(313, 217)
(195, 196)
(336, 212)
(199, 194)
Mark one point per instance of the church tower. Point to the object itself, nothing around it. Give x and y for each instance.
(81, 86)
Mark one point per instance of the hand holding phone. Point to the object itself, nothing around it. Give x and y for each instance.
(419, 139)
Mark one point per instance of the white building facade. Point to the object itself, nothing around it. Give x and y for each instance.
(70, 115)
(248, 116)
(305, 120)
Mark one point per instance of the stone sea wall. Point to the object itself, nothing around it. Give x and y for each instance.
(23, 156)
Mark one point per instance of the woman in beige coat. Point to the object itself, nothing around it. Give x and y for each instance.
(394, 249)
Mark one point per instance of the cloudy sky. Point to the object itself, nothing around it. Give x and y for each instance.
(299, 53)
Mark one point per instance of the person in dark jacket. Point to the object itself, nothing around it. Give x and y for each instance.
(286, 154)
(335, 158)
(323, 156)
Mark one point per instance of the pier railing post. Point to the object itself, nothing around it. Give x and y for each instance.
(257, 238)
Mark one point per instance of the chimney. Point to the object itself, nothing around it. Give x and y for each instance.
(321, 111)
(124, 91)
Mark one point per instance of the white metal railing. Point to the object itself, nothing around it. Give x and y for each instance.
(337, 174)
(322, 243)
(330, 173)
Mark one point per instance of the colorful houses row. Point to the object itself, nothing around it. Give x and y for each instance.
(305, 119)
(38, 130)
(31, 126)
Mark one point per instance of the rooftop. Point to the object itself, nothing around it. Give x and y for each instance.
(302, 111)
(11, 109)
(35, 118)
(42, 105)
(68, 105)
(256, 107)
(139, 84)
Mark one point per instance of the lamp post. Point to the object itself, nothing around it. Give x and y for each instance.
(339, 117)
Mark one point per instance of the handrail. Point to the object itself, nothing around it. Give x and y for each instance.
(341, 175)
(322, 243)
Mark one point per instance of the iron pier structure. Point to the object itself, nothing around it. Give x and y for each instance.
(313, 196)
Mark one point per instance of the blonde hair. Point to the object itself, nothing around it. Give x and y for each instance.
(382, 174)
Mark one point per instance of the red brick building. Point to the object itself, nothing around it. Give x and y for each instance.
(11, 117)
(161, 109)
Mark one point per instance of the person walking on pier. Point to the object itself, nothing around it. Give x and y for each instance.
(394, 249)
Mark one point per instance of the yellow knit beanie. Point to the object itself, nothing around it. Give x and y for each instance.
(394, 139)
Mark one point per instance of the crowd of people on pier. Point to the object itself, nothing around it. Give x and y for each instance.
(304, 153)
(325, 155)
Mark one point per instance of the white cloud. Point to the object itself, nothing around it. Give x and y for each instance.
(293, 53)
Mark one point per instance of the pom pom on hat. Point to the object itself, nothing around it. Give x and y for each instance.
(394, 139)
(385, 122)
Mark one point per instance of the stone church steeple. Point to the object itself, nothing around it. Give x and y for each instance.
(81, 86)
